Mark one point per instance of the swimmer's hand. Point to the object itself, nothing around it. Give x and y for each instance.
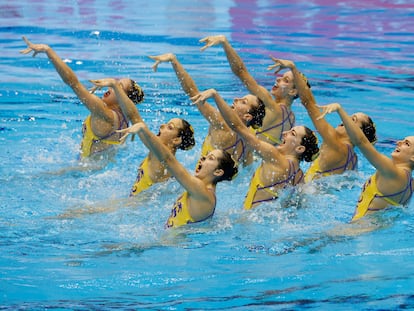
(93, 89)
(280, 64)
(105, 82)
(212, 40)
(328, 109)
(133, 129)
(168, 57)
(35, 48)
(201, 97)
(100, 83)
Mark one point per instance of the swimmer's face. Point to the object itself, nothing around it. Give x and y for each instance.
(284, 86)
(404, 151)
(109, 96)
(292, 138)
(244, 105)
(170, 130)
(208, 164)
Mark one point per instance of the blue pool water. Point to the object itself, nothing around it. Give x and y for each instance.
(70, 238)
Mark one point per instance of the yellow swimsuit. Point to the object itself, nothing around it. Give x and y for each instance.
(257, 185)
(143, 181)
(288, 118)
(89, 137)
(207, 147)
(370, 191)
(314, 170)
(180, 215)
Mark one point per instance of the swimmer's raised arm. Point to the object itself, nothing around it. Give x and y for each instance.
(240, 70)
(190, 88)
(92, 102)
(187, 82)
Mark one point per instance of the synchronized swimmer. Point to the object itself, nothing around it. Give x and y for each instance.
(260, 123)
(106, 116)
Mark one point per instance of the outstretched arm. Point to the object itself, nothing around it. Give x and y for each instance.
(266, 150)
(382, 163)
(189, 87)
(95, 105)
(326, 130)
(187, 82)
(240, 70)
(127, 105)
(174, 167)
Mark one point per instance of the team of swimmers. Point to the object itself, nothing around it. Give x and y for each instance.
(260, 123)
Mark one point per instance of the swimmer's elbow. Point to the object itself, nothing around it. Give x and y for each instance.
(360, 141)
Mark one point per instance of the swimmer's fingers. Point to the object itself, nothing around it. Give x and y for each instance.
(29, 44)
(133, 129)
(276, 66)
(27, 51)
(157, 62)
(322, 115)
(327, 110)
(26, 41)
(98, 85)
(202, 97)
(155, 66)
(211, 40)
(125, 132)
(280, 64)
(205, 41)
(93, 89)
(331, 107)
(167, 57)
(35, 48)
(123, 137)
(205, 47)
(106, 82)
(197, 99)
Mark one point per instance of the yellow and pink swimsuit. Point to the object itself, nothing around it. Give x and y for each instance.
(89, 137)
(370, 191)
(180, 215)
